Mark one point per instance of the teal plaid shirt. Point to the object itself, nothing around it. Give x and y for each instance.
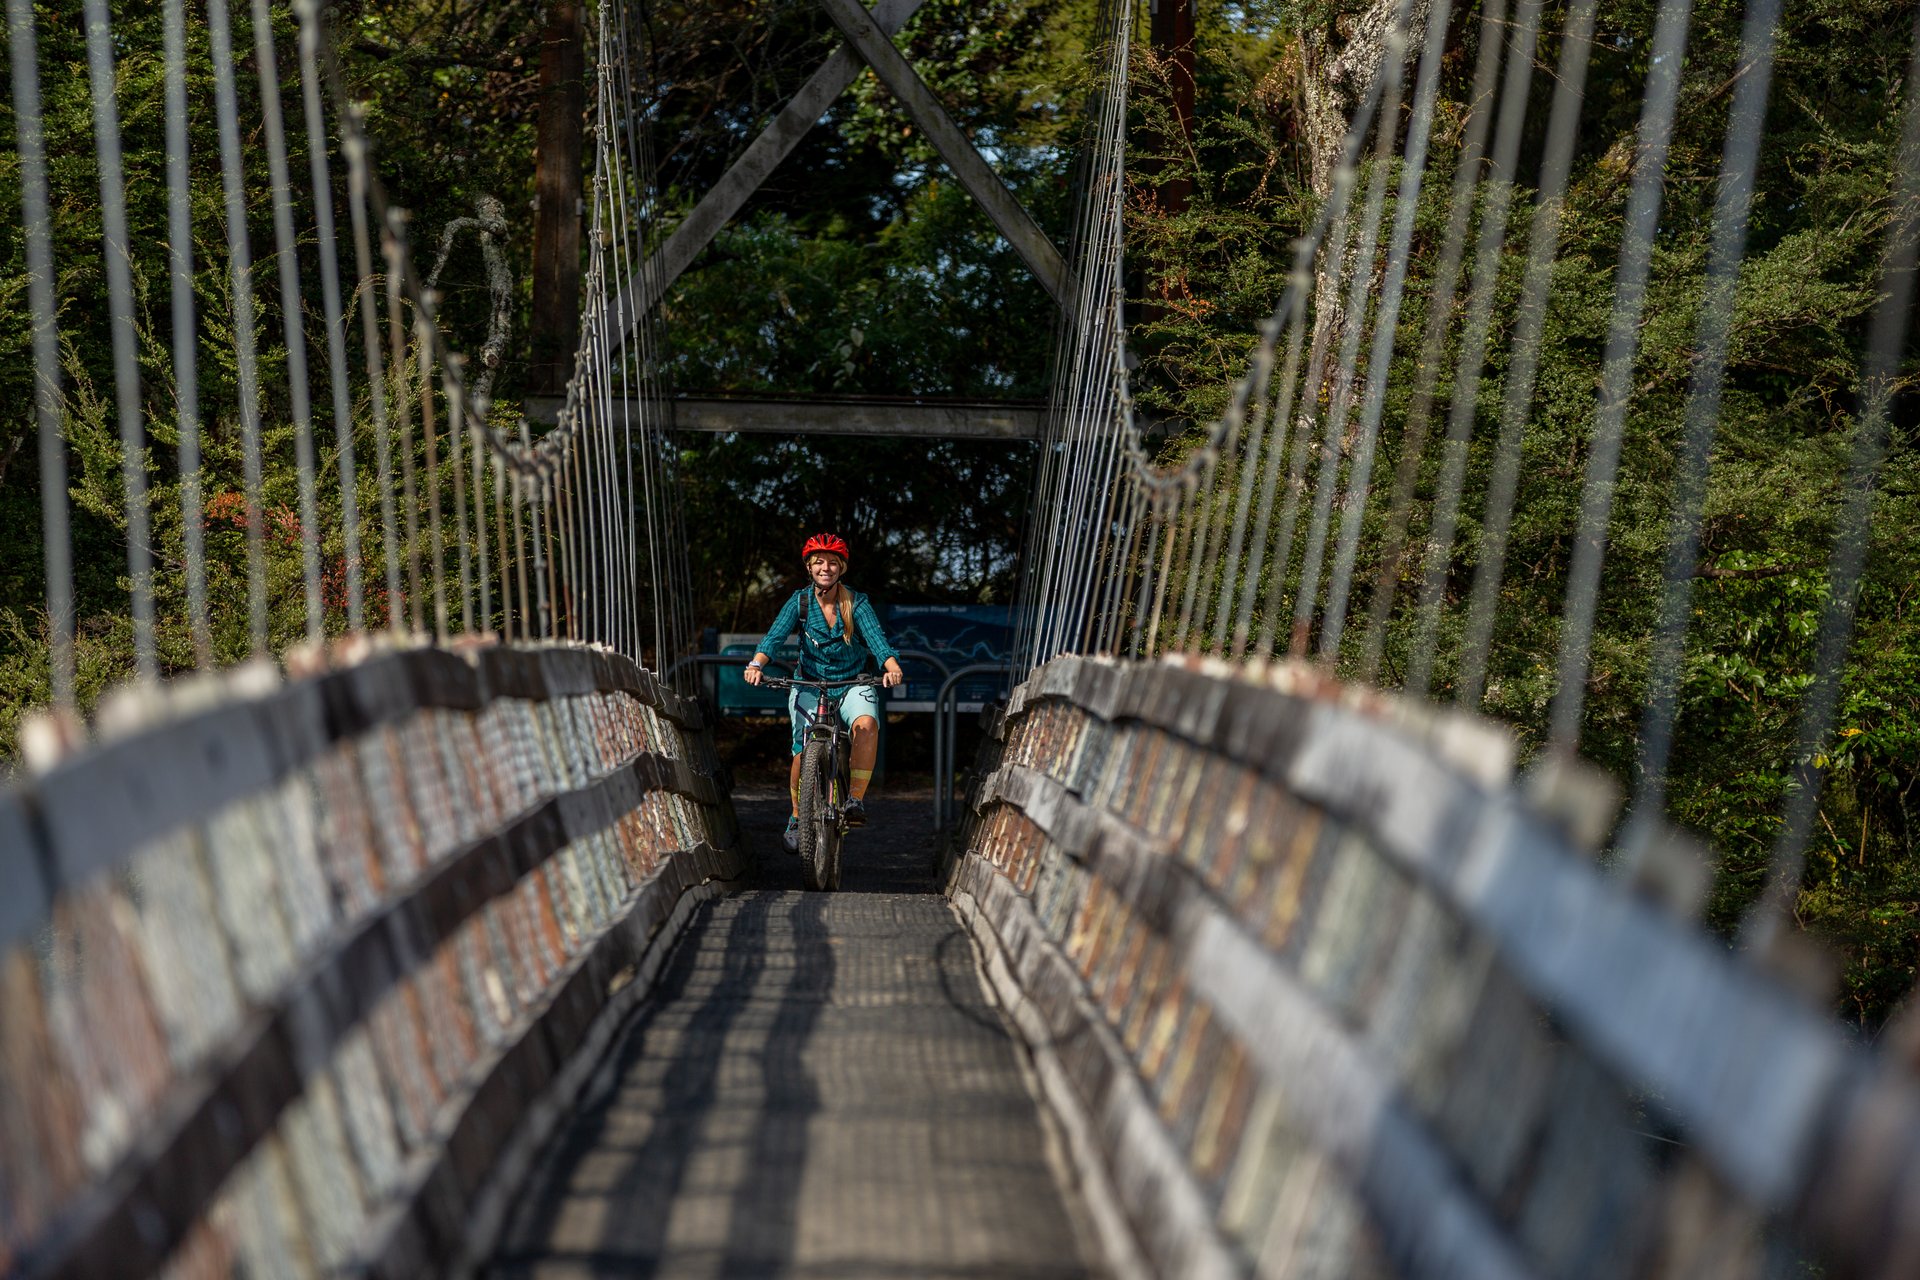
(825, 653)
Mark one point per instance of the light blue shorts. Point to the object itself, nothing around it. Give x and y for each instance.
(859, 700)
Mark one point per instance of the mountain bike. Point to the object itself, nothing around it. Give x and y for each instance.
(826, 773)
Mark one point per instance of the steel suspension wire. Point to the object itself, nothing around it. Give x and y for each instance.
(1178, 532)
(55, 532)
(1616, 371)
(1887, 340)
(291, 314)
(1464, 409)
(1440, 306)
(1353, 320)
(1732, 203)
(126, 374)
(1074, 480)
(1345, 179)
(366, 291)
(1292, 321)
(308, 12)
(398, 364)
(1386, 327)
(1523, 365)
(186, 372)
(245, 334)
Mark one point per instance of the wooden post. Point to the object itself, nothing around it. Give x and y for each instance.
(556, 185)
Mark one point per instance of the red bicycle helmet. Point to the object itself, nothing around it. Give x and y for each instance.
(830, 543)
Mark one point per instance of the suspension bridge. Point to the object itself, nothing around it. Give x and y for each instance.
(441, 942)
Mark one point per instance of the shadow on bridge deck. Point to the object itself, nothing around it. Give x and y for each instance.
(819, 1088)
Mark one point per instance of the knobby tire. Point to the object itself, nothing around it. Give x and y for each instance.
(813, 815)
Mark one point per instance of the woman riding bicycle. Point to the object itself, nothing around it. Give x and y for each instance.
(829, 617)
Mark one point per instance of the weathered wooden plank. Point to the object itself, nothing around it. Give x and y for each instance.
(212, 1121)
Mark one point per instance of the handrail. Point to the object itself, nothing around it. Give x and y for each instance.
(947, 728)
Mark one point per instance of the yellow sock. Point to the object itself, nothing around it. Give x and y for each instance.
(861, 777)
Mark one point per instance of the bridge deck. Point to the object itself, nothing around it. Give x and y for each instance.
(821, 1087)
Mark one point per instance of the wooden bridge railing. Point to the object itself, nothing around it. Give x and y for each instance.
(1321, 991)
(295, 977)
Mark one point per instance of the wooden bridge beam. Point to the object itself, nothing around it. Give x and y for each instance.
(868, 39)
(930, 420)
(730, 194)
(1009, 216)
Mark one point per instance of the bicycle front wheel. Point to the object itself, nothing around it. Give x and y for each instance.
(816, 829)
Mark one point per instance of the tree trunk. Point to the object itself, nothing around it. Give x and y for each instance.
(1171, 27)
(556, 223)
(1338, 64)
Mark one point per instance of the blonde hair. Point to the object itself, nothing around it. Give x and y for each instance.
(843, 601)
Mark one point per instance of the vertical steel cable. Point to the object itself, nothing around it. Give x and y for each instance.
(609, 490)
(240, 277)
(479, 449)
(1333, 217)
(291, 312)
(521, 606)
(456, 464)
(507, 560)
(55, 532)
(354, 146)
(624, 175)
(186, 371)
(1296, 483)
(1111, 581)
(1880, 379)
(1433, 343)
(1121, 584)
(1523, 365)
(567, 576)
(1385, 328)
(1292, 319)
(400, 363)
(1463, 411)
(1733, 200)
(594, 489)
(126, 371)
(1616, 372)
(329, 249)
(436, 536)
(542, 522)
(1136, 645)
(1242, 505)
(1103, 396)
(1354, 319)
(1083, 354)
(1206, 476)
(526, 487)
(1160, 581)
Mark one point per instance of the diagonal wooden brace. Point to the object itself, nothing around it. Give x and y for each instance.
(863, 32)
(718, 207)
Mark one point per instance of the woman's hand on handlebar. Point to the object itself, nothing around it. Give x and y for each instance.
(893, 675)
(753, 674)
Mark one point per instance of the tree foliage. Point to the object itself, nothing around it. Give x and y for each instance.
(1811, 279)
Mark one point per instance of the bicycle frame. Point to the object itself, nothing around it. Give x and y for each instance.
(826, 729)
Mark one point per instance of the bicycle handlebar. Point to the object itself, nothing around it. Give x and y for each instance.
(794, 682)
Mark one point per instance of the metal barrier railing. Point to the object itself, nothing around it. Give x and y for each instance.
(946, 737)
